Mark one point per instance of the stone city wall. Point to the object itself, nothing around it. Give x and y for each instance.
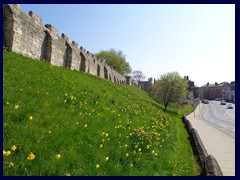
(25, 34)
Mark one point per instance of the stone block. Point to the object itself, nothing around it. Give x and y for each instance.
(211, 167)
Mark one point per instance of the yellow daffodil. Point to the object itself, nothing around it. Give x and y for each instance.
(6, 153)
(31, 156)
(101, 145)
(14, 148)
(11, 164)
(58, 156)
(16, 106)
(107, 158)
(97, 166)
(30, 118)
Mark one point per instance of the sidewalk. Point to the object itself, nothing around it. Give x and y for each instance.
(216, 142)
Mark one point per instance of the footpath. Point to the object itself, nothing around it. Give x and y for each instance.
(216, 142)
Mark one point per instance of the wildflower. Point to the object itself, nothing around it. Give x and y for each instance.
(85, 125)
(139, 149)
(107, 158)
(127, 154)
(68, 174)
(31, 156)
(49, 132)
(6, 153)
(7, 103)
(97, 166)
(30, 118)
(77, 123)
(155, 154)
(101, 145)
(66, 94)
(147, 147)
(58, 156)
(14, 148)
(106, 134)
(16, 106)
(131, 165)
(153, 151)
(11, 164)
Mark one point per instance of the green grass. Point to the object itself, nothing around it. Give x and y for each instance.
(88, 121)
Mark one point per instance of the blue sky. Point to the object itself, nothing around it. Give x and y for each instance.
(195, 40)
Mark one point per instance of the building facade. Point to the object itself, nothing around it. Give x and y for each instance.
(214, 91)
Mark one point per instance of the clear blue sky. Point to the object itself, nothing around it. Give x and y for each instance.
(194, 40)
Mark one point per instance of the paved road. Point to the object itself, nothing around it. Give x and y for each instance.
(214, 137)
(219, 116)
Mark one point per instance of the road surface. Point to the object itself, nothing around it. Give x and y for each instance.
(219, 116)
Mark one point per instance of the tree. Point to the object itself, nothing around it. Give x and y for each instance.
(170, 88)
(138, 75)
(116, 59)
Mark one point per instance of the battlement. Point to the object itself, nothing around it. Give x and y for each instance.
(17, 6)
(35, 17)
(27, 35)
(52, 29)
(64, 37)
(75, 44)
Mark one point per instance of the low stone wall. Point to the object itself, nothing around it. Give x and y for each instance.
(209, 164)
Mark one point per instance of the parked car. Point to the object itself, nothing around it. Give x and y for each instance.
(223, 102)
(206, 102)
(229, 106)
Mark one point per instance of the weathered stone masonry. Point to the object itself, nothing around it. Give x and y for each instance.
(25, 34)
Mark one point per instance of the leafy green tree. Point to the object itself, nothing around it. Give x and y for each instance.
(116, 59)
(170, 88)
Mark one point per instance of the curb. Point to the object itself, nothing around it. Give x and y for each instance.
(209, 164)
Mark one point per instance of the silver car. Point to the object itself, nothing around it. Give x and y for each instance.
(229, 106)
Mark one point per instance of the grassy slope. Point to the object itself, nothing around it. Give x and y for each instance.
(88, 121)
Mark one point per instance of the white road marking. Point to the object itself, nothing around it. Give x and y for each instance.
(222, 125)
